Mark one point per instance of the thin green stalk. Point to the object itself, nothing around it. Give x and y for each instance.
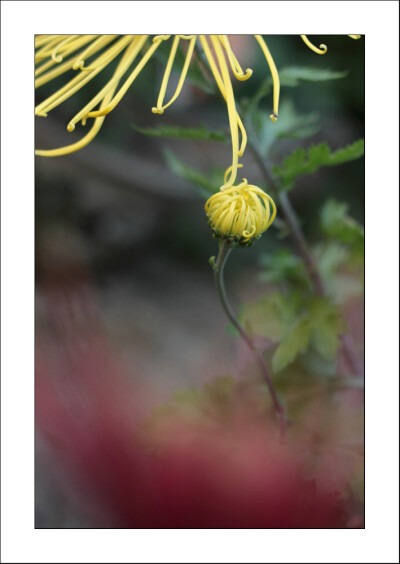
(218, 266)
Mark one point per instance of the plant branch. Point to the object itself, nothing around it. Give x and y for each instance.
(218, 267)
(297, 234)
(289, 214)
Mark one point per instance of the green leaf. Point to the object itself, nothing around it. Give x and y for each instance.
(207, 184)
(317, 365)
(265, 316)
(349, 153)
(327, 324)
(299, 324)
(270, 316)
(290, 125)
(346, 287)
(339, 269)
(337, 224)
(302, 162)
(295, 341)
(283, 267)
(341, 262)
(319, 327)
(211, 402)
(231, 330)
(199, 134)
(330, 257)
(291, 76)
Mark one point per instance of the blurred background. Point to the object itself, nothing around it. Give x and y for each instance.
(124, 291)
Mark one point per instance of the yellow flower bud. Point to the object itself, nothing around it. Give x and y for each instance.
(240, 212)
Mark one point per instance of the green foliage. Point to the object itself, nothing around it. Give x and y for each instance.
(340, 259)
(292, 76)
(214, 398)
(338, 225)
(296, 323)
(316, 365)
(294, 341)
(283, 267)
(319, 328)
(265, 316)
(216, 401)
(207, 184)
(302, 162)
(340, 269)
(290, 125)
(196, 134)
(304, 329)
(327, 325)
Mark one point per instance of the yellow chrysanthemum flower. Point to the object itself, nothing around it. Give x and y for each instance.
(241, 213)
(57, 54)
(88, 55)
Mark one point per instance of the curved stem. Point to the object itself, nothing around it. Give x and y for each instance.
(218, 266)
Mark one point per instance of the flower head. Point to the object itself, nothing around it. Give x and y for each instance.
(241, 213)
(89, 55)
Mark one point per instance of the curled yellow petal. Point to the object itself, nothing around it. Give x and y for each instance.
(98, 122)
(275, 77)
(126, 60)
(60, 69)
(232, 113)
(122, 91)
(61, 47)
(157, 38)
(242, 213)
(79, 144)
(322, 48)
(239, 124)
(221, 87)
(228, 171)
(79, 81)
(159, 108)
(234, 63)
(93, 48)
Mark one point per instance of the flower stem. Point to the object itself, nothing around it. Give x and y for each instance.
(289, 214)
(298, 236)
(218, 267)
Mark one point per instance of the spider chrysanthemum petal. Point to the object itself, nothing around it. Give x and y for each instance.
(242, 213)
